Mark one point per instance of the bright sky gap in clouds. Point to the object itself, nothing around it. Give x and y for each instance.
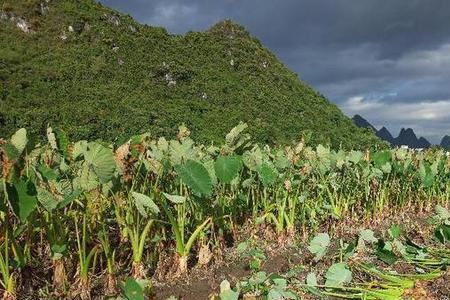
(386, 60)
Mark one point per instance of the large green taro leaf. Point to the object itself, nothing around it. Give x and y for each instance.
(195, 175)
(20, 140)
(426, 174)
(381, 158)
(22, 196)
(227, 167)
(101, 160)
(319, 245)
(267, 173)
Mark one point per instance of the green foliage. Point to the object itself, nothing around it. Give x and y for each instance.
(267, 173)
(442, 214)
(132, 290)
(311, 279)
(319, 245)
(280, 290)
(142, 202)
(227, 167)
(255, 255)
(395, 231)
(175, 199)
(338, 274)
(442, 233)
(385, 253)
(271, 286)
(368, 235)
(22, 196)
(47, 200)
(226, 293)
(195, 175)
(19, 140)
(105, 80)
(101, 160)
(381, 158)
(426, 174)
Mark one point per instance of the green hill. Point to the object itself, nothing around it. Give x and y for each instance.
(99, 74)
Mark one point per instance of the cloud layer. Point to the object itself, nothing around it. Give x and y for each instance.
(387, 60)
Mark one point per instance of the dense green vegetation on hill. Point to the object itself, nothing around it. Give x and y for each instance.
(99, 74)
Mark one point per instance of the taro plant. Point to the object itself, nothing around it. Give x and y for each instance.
(55, 221)
(283, 211)
(110, 255)
(86, 259)
(178, 224)
(57, 232)
(260, 284)
(319, 245)
(442, 219)
(253, 253)
(227, 169)
(204, 193)
(196, 176)
(137, 223)
(7, 281)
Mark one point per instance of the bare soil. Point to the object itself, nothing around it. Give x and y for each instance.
(203, 283)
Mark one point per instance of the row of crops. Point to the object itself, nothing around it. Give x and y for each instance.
(79, 209)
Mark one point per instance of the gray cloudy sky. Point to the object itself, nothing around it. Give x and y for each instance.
(386, 60)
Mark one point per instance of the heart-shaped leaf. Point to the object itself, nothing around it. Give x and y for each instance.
(227, 167)
(22, 196)
(337, 275)
(319, 245)
(101, 159)
(47, 200)
(142, 202)
(195, 175)
(267, 173)
(368, 235)
(226, 293)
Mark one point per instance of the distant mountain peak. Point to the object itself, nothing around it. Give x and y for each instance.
(406, 137)
(423, 143)
(445, 142)
(363, 123)
(385, 135)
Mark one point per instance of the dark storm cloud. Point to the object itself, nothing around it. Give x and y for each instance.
(393, 56)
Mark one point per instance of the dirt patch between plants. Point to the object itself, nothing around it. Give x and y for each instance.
(438, 289)
(203, 283)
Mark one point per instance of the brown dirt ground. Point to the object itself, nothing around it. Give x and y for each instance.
(203, 283)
